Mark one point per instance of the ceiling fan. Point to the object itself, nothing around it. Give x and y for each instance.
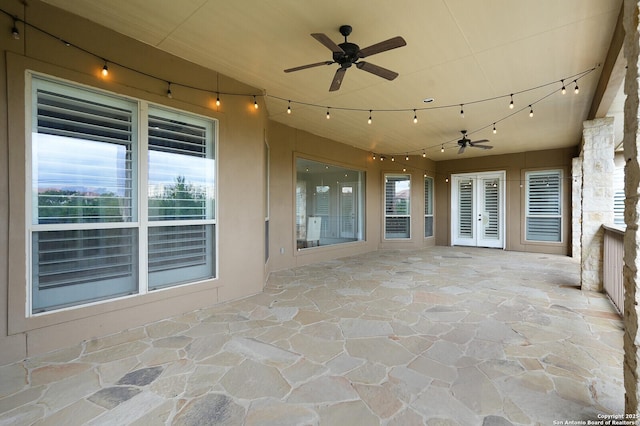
(347, 54)
(465, 142)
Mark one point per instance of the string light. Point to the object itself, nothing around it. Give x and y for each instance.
(511, 103)
(442, 148)
(169, 94)
(461, 110)
(14, 31)
(369, 121)
(393, 158)
(404, 169)
(373, 156)
(289, 110)
(494, 129)
(255, 102)
(424, 154)
(415, 117)
(328, 115)
(217, 99)
(564, 89)
(576, 90)
(406, 158)
(530, 111)
(382, 157)
(105, 69)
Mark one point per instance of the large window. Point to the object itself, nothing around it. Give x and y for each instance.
(113, 213)
(544, 206)
(428, 206)
(329, 204)
(397, 206)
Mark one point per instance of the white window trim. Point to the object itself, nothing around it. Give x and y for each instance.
(384, 207)
(139, 203)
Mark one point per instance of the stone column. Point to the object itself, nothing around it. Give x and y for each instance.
(631, 211)
(576, 207)
(597, 197)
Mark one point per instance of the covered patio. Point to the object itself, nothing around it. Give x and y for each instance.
(440, 335)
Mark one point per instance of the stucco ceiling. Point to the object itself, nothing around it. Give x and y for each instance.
(457, 52)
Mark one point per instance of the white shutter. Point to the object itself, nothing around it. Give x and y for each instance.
(491, 209)
(465, 208)
(544, 206)
(618, 196)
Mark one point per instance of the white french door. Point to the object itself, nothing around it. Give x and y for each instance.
(477, 209)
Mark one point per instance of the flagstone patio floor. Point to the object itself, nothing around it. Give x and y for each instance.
(438, 336)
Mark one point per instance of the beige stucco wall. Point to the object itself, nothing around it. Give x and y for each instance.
(240, 196)
(515, 166)
(285, 145)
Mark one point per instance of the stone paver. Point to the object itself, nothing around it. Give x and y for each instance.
(438, 336)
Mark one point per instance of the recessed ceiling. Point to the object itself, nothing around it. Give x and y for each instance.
(459, 52)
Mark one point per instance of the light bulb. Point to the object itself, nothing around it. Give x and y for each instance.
(494, 129)
(289, 108)
(105, 70)
(406, 157)
(169, 94)
(424, 154)
(369, 120)
(373, 156)
(14, 31)
(255, 103)
(415, 117)
(328, 115)
(564, 89)
(511, 103)
(393, 158)
(530, 111)
(217, 99)
(576, 90)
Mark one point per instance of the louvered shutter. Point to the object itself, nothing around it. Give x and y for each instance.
(544, 206)
(465, 208)
(83, 150)
(618, 196)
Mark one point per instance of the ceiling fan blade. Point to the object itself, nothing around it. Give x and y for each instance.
(473, 144)
(337, 79)
(383, 46)
(377, 70)
(304, 67)
(480, 141)
(327, 42)
(461, 150)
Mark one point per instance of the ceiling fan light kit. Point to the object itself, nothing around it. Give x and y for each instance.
(347, 54)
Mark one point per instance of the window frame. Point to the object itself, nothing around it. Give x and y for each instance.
(139, 219)
(408, 207)
(559, 215)
(429, 205)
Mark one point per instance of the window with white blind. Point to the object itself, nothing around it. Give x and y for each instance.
(544, 206)
(428, 206)
(113, 215)
(618, 196)
(397, 206)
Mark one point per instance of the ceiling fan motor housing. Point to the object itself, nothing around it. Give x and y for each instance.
(350, 55)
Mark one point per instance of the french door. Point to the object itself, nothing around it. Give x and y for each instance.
(477, 209)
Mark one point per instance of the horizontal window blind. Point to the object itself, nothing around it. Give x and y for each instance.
(65, 260)
(618, 196)
(465, 208)
(544, 206)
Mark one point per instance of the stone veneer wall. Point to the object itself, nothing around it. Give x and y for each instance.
(632, 181)
(576, 208)
(597, 197)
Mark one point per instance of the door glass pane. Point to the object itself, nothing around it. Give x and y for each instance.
(465, 208)
(490, 218)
